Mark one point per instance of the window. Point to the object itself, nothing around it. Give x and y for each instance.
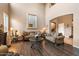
(32, 21)
(5, 22)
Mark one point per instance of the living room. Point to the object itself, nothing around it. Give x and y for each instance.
(21, 19)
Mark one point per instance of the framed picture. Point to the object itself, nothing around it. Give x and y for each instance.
(32, 21)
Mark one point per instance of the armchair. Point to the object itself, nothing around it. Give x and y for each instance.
(59, 39)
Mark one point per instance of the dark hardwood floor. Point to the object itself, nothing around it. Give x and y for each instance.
(47, 49)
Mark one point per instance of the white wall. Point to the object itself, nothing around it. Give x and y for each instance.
(3, 9)
(19, 15)
(60, 9)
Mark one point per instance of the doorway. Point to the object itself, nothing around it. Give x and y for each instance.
(64, 24)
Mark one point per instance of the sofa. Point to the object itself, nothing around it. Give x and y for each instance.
(24, 35)
(59, 39)
(56, 38)
(51, 37)
(3, 49)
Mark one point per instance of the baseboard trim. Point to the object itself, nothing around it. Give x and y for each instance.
(76, 47)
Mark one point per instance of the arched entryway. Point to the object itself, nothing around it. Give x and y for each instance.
(63, 24)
